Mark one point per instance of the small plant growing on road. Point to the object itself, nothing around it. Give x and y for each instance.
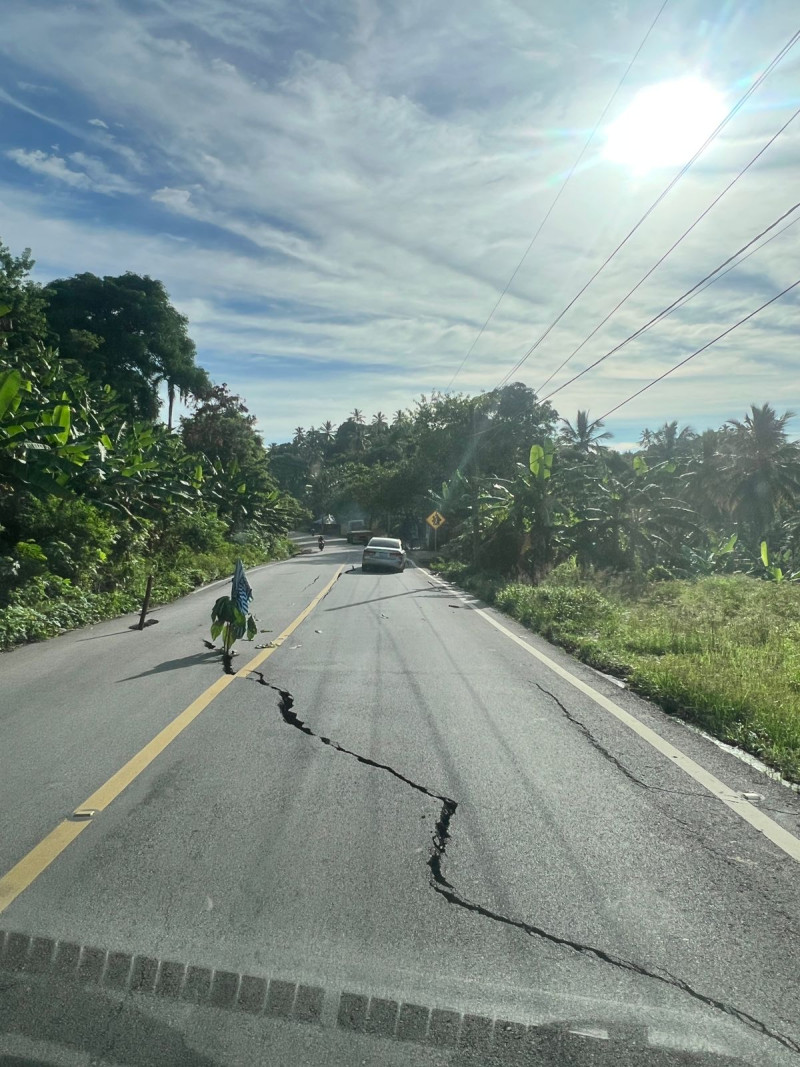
(231, 617)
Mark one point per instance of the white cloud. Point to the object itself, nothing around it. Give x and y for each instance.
(98, 122)
(49, 166)
(177, 199)
(92, 174)
(373, 181)
(30, 87)
(101, 177)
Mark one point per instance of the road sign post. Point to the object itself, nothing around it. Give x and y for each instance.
(435, 520)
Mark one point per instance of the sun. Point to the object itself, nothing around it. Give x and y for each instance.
(665, 124)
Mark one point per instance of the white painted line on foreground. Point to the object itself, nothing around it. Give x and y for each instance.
(785, 841)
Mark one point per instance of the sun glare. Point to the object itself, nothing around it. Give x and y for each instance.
(664, 125)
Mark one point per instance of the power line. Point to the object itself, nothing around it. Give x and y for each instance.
(697, 351)
(734, 110)
(669, 251)
(690, 294)
(564, 185)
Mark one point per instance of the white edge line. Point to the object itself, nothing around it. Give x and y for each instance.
(785, 841)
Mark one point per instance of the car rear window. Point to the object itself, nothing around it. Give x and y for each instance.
(385, 542)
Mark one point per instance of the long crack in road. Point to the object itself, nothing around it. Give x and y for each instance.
(441, 885)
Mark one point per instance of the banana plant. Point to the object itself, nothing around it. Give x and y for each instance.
(231, 623)
(776, 573)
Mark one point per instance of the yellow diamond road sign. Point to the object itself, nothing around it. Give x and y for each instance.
(435, 520)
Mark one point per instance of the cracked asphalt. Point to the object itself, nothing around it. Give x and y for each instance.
(400, 801)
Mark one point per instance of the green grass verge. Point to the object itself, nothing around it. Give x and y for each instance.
(723, 652)
(48, 605)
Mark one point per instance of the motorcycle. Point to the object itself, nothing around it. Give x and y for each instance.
(321, 542)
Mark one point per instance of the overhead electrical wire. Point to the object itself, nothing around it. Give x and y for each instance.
(731, 114)
(710, 279)
(668, 252)
(561, 190)
(697, 351)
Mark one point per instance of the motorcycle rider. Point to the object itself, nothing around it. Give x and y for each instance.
(321, 542)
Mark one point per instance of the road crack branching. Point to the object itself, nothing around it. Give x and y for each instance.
(646, 785)
(699, 836)
(441, 885)
(593, 740)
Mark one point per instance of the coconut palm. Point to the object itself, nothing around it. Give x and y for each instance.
(585, 436)
(667, 443)
(762, 468)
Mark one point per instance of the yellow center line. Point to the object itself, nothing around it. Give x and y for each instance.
(49, 848)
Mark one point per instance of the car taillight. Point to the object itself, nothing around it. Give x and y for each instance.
(369, 551)
(396, 555)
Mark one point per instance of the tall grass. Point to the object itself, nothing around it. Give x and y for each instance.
(723, 652)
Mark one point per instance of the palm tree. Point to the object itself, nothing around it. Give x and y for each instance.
(357, 420)
(328, 430)
(584, 436)
(299, 435)
(315, 439)
(379, 422)
(706, 487)
(399, 417)
(667, 444)
(184, 379)
(762, 468)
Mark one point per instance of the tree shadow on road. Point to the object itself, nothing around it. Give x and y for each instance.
(391, 596)
(196, 659)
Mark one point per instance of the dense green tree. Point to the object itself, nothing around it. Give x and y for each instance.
(222, 428)
(222, 431)
(125, 333)
(22, 307)
(682, 503)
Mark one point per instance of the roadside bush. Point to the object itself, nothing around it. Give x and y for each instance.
(48, 605)
(199, 531)
(558, 612)
(76, 539)
(500, 553)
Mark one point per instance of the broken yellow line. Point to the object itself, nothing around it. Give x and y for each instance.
(49, 848)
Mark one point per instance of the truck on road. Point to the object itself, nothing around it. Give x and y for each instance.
(358, 532)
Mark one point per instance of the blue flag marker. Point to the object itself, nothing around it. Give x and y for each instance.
(241, 593)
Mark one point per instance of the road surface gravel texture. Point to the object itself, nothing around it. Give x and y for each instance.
(436, 847)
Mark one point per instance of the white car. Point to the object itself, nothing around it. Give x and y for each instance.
(386, 553)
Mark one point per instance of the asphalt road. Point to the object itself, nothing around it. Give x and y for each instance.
(400, 803)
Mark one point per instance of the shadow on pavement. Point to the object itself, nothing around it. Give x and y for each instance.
(116, 633)
(391, 596)
(195, 659)
(105, 1027)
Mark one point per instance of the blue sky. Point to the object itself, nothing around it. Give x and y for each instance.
(336, 193)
